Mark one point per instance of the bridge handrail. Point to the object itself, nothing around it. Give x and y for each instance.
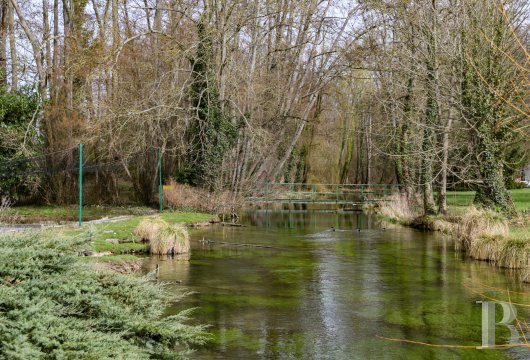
(324, 184)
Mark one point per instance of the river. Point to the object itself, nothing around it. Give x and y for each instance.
(336, 285)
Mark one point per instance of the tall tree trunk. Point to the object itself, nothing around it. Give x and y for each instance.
(12, 46)
(47, 45)
(369, 149)
(432, 114)
(4, 8)
(37, 54)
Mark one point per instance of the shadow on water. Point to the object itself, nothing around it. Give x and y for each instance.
(326, 290)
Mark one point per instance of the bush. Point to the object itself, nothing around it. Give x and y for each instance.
(185, 198)
(54, 306)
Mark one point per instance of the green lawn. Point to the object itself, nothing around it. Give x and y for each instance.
(124, 230)
(458, 201)
(455, 199)
(520, 233)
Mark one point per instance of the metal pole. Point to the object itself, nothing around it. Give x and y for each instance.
(80, 184)
(160, 187)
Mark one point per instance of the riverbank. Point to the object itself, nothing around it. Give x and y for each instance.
(118, 238)
(481, 234)
(112, 242)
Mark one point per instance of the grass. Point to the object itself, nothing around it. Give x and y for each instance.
(163, 238)
(169, 240)
(185, 198)
(458, 200)
(477, 223)
(113, 258)
(519, 233)
(124, 230)
(148, 227)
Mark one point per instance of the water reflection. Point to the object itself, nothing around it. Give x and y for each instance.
(329, 294)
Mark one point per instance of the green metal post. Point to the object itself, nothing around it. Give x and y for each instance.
(80, 184)
(160, 187)
(362, 193)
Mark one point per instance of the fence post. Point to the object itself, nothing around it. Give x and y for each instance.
(80, 184)
(160, 187)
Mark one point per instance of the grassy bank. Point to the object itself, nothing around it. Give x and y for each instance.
(53, 305)
(123, 232)
(482, 234)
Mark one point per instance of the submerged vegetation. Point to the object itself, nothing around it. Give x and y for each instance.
(54, 306)
(483, 234)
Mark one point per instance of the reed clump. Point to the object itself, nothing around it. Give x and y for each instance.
(164, 238)
(399, 208)
(148, 227)
(484, 235)
(170, 240)
(476, 223)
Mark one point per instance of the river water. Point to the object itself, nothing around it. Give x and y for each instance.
(313, 292)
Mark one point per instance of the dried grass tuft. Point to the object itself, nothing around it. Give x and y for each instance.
(148, 227)
(399, 206)
(515, 254)
(486, 247)
(170, 240)
(484, 234)
(476, 223)
(163, 238)
(6, 213)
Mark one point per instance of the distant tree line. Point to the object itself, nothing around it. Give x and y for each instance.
(432, 95)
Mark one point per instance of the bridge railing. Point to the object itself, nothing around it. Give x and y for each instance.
(325, 193)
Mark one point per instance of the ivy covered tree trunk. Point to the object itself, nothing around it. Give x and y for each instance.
(432, 113)
(403, 142)
(492, 191)
(211, 133)
(487, 84)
